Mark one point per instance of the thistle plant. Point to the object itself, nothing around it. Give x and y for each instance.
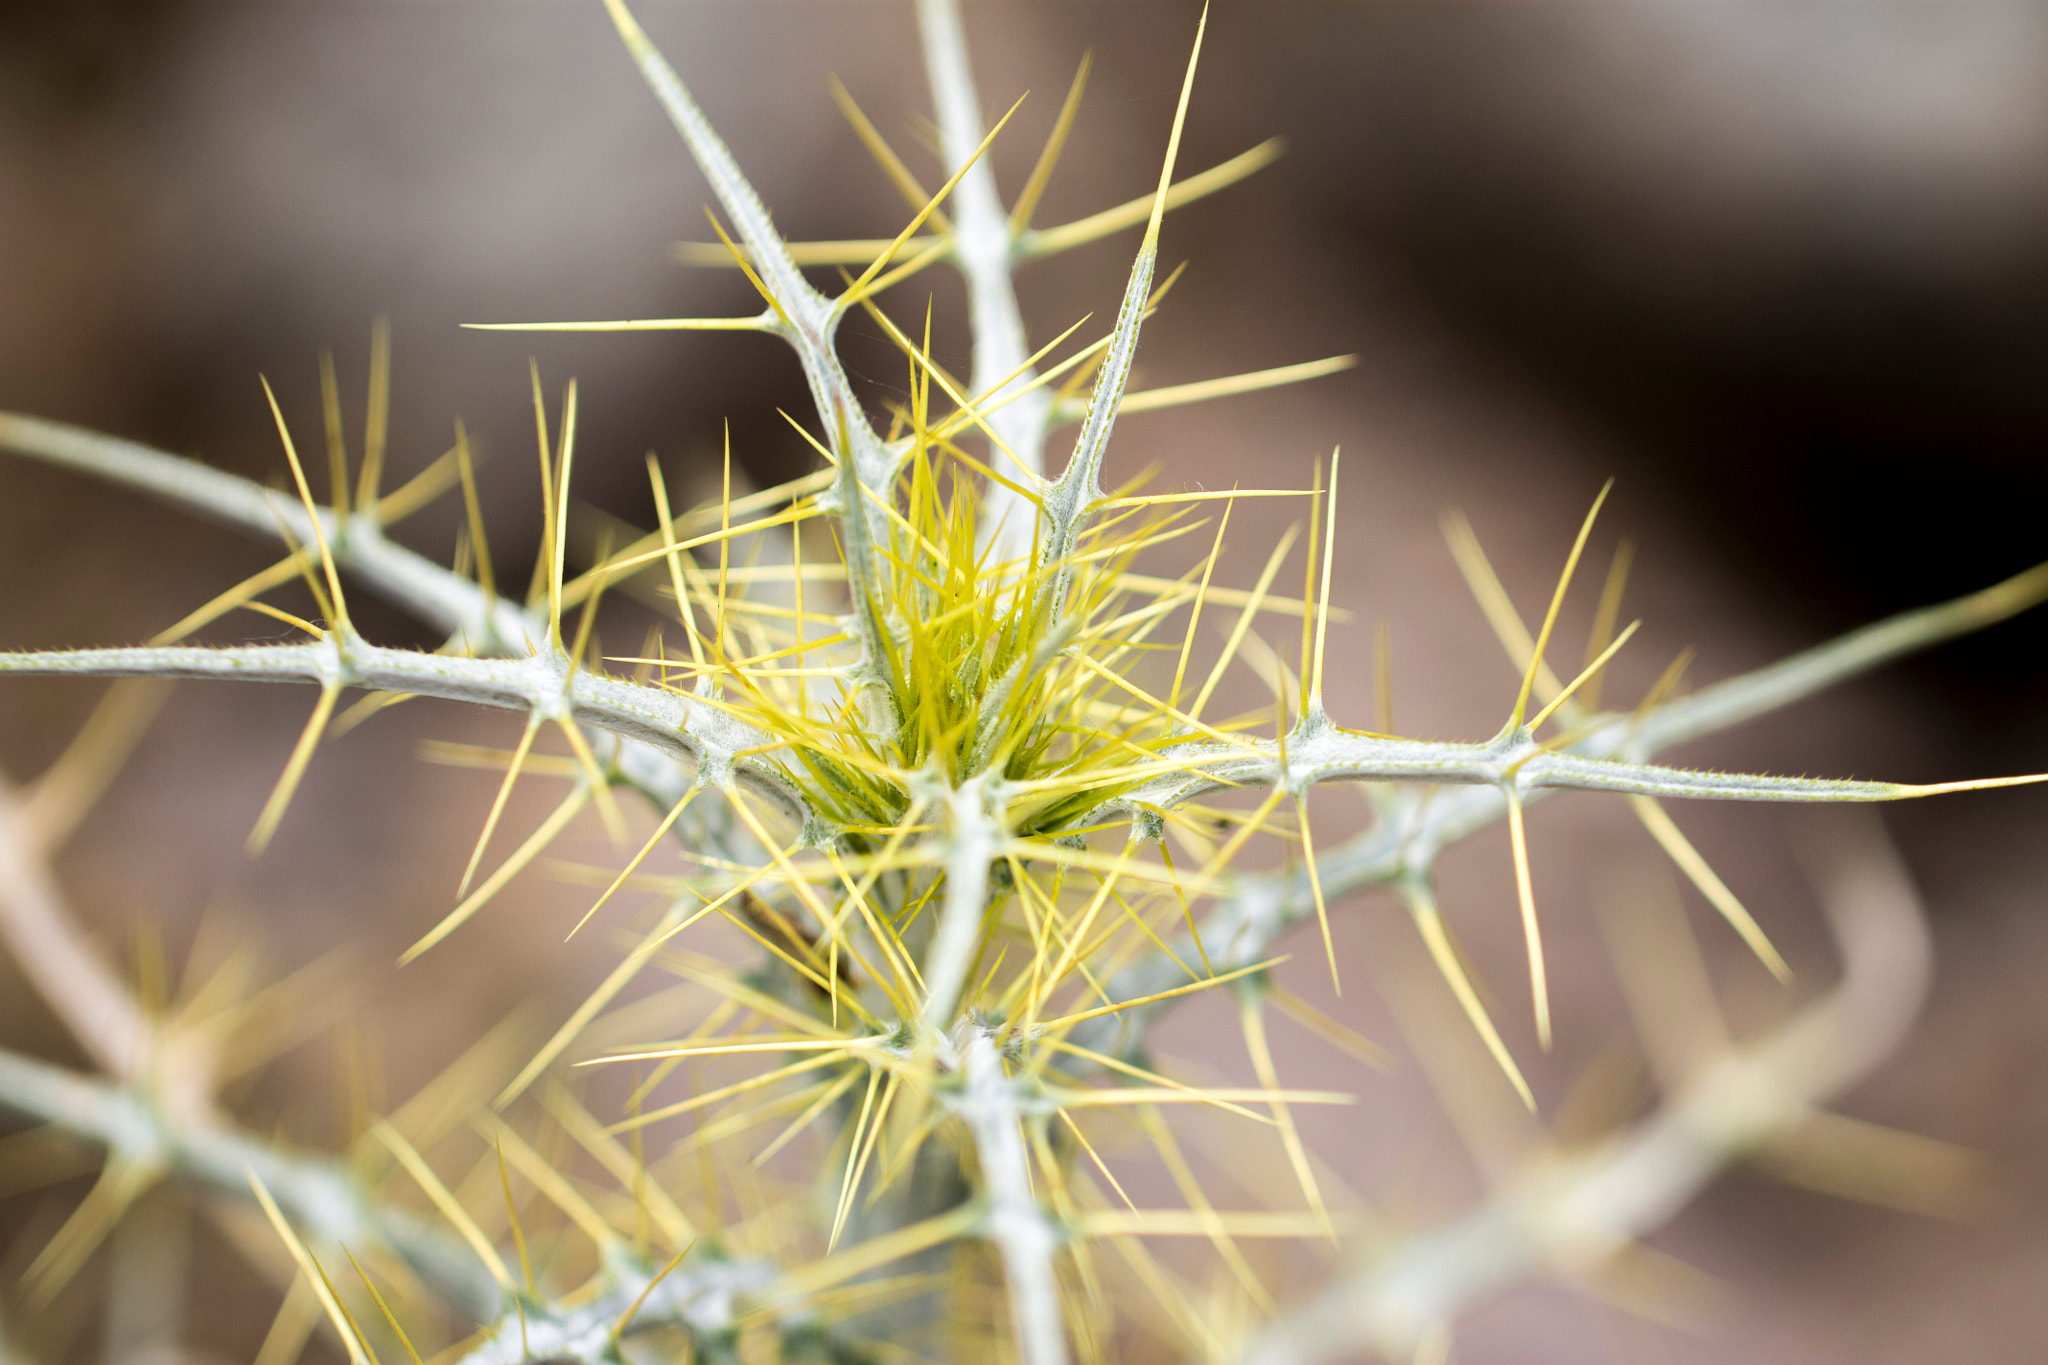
(922, 728)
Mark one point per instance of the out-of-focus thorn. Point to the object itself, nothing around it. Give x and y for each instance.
(1849, 1157)
(1662, 975)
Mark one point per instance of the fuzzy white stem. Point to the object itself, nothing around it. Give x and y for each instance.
(541, 685)
(972, 840)
(1014, 1221)
(867, 465)
(1414, 825)
(481, 623)
(414, 582)
(984, 248)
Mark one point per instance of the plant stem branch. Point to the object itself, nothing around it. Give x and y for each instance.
(984, 248)
(1014, 1221)
(1572, 1212)
(317, 1194)
(54, 953)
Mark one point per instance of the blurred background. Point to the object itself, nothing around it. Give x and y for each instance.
(1780, 268)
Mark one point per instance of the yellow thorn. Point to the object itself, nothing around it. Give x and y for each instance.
(1328, 1029)
(1666, 684)
(600, 784)
(512, 1213)
(1089, 1148)
(855, 292)
(294, 769)
(885, 156)
(308, 1267)
(1422, 907)
(1180, 115)
(416, 492)
(1049, 241)
(291, 454)
(828, 1095)
(558, 552)
(1493, 601)
(724, 545)
(1539, 987)
(1673, 841)
(1564, 581)
(383, 1307)
(739, 259)
(1206, 983)
(889, 1094)
(1307, 592)
(1201, 595)
(473, 507)
(781, 1073)
(1252, 1020)
(1187, 911)
(1055, 143)
(1244, 619)
(120, 1183)
(1066, 960)
(619, 1327)
(377, 423)
(498, 803)
(1608, 614)
(337, 452)
(457, 1216)
(297, 1315)
(1315, 686)
(1590, 672)
(1201, 1218)
(1315, 886)
(284, 571)
(874, 1253)
(54, 803)
(667, 822)
(507, 870)
(1228, 386)
(853, 1152)
(751, 324)
(278, 614)
(541, 579)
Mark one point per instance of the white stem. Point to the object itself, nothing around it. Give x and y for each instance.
(1015, 1223)
(416, 583)
(971, 842)
(1414, 825)
(983, 249)
(482, 624)
(540, 685)
(318, 1196)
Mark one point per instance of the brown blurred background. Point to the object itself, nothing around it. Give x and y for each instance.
(1782, 268)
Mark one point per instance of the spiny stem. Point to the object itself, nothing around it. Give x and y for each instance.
(1013, 1221)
